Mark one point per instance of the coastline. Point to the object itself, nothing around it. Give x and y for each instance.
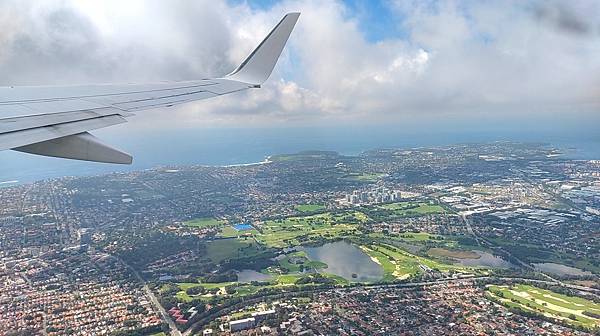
(267, 160)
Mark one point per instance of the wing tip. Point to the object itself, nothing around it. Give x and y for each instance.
(258, 66)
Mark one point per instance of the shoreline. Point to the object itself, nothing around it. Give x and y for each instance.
(267, 160)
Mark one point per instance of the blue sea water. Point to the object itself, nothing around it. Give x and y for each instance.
(217, 147)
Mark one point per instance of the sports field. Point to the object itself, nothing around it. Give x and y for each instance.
(569, 309)
(204, 222)
(309, 207)
(407, 209)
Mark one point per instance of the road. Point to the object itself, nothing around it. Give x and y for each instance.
(173, 331)
(485, 242)
(165, 317)
(468, 280)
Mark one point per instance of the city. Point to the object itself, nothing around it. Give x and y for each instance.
(492, 238)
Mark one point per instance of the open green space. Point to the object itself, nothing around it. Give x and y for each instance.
(399, 264)
(204, 222)
(533, 253)
(298, 261)
(309, 207)
(364, 177)
(237, 289)
(294, 231)
(569, 309)
(455, 254)
(408, 209)
(231, 232)
(223, 249)
(416, 238)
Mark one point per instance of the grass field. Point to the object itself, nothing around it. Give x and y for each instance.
(399, 264)
(416, 238)
(204, 222)
(455, 254)
(293, 262)
(229, 232)
(407, 209)
(243, 289)
(293, 231)
(222, 249)
(309, 207)
(389, 267)
(566, 308)
(183, 296)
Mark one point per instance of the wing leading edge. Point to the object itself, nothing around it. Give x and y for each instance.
(55, 120)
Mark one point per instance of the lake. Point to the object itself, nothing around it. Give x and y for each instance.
(246, 276)
(486, 260)
(559, 269)
(345, 259)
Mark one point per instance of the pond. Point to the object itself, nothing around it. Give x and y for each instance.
(246, 276)
(486, 260)
(243, 227)
(345, 260)
(559, 269)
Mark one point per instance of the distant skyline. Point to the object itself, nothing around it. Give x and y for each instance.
(409, 63)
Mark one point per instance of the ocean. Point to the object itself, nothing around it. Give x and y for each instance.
(227, 146)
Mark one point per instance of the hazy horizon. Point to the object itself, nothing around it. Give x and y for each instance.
(226, 146)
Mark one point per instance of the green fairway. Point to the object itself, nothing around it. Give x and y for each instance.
(569, 309)
(294, 231)
(222, 249)
(183, 296)
(243, 289)
(309, 207)
(399, 264)
(396, 264)
(204, 222)
(288, 279)
(389, 268)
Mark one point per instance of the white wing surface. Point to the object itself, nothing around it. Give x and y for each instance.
(55, 120)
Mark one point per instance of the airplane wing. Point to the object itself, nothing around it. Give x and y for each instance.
(55, 120)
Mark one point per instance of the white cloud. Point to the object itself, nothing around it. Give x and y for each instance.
(465, 59)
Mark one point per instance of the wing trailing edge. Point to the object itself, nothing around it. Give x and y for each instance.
(55, 120)
(81, 146)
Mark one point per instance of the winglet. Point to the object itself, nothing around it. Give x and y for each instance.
(257, 67)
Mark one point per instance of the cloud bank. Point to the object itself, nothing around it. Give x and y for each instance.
(454, 60)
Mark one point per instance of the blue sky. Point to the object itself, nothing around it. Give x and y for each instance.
(378, 20)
